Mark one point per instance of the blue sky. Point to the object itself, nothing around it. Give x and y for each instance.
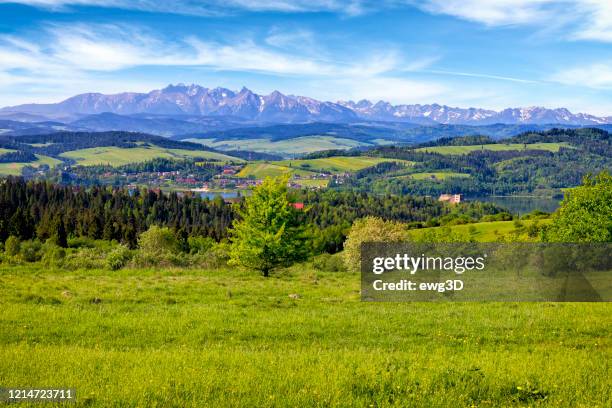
(483, 53)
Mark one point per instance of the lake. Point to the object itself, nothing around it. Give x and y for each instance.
(521, 205)
(211, 194)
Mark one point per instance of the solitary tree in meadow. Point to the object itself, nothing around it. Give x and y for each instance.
(268, 233)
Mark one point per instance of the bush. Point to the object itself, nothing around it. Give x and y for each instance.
(369, 229)
(53, 255)
(118, 257)
(30, 250)
(158, 241)
(216, 257)
(329, 263)
(84, 258)
(200, 245)
(12, 246)
(444, 234)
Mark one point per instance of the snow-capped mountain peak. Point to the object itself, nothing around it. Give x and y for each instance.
(194, 99)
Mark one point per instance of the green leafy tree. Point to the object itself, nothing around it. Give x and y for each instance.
(370, 229)
(158, 241)
(268, 233)
(585, 214)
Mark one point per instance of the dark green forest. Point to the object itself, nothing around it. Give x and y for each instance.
(43, 210)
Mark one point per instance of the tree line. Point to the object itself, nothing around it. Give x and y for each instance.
(43, 210)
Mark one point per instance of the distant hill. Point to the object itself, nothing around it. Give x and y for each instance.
(371, 132)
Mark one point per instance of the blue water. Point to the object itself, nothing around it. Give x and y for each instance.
(212, 195)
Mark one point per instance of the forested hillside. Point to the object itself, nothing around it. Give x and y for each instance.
(529, 163)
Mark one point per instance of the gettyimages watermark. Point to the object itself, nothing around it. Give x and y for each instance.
(513, 272)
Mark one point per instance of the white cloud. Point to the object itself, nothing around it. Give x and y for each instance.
(112, 48)
(582, 19)
(597, 76)
(483, 76)
(597, 24)
(206, 7)
(490, 12)
(82, 58)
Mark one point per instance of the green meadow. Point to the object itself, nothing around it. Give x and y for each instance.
(262, 170)
(298, 145)
(338, 164)
(306, 167)
(301, 338)
(117, 156)
(14, 169)
(551, 147)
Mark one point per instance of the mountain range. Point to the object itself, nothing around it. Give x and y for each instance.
(211, 108)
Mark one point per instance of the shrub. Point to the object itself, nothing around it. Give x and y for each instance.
(12, 246)
(200, 245)
(443, 234)
(84, 258)
(30, 250)
(158, 241)
(369, 229)
(53, 255)
(118, 257)
(329, 263)
(216, 257)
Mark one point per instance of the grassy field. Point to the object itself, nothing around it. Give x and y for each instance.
(307, 167)
(551, 147)
(313, 182)
(483, 231)
(194, 338)
(338, 164)
(14, 169)
(117, 156)
(262, 170)
(298, 145)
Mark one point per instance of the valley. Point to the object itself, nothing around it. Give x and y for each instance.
(531, 163)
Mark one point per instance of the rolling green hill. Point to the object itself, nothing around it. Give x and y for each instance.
(287, 147)
(550, 147)
(14, 169)
(117, 156)
(263, 170)
(308, 167)
(338, 164)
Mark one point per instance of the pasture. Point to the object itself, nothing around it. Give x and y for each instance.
(339, 164)
(117, 156)
(450, 150)
(305, 168)
(261, 170)
(14, 169)
(287, 147)
(192, 338)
